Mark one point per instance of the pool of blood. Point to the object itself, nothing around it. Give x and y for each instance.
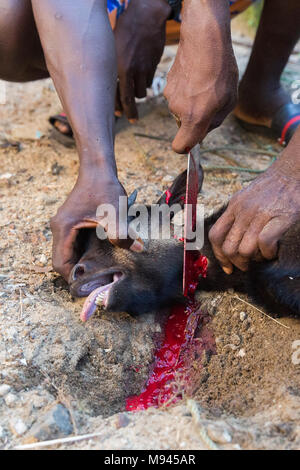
(171, 357)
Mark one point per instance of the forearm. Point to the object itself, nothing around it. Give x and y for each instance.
(80, 54)
(206, 14)
(202, 83)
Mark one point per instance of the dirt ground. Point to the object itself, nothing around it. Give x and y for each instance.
(59, 377)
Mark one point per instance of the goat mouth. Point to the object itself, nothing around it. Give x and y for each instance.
(99, 297)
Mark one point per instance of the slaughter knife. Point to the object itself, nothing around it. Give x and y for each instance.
(192, 187)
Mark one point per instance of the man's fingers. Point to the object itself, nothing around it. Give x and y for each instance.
(127, 92)
(270, 235)
(249, 244)
(217, 235)
(63, 252)
(230, 247)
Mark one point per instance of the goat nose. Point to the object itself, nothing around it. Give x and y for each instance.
(77, 271)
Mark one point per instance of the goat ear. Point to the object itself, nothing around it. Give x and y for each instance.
(132, 198)
(176, 193)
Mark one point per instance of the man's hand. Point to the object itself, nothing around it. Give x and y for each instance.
(202, 84)
(258, 216)
(79, 211)
(140, 39)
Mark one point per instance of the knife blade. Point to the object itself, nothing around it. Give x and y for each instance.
(192, 187)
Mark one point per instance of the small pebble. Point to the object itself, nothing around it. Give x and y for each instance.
(56, 169)
(236, 340)
(218, 435)
(243, 316)
(10, 399)
(4, 389)
(122, 421)
(168, 179)
(49, 201)
(6, 176)
(241, 353)
(43, 260)
(55, 423)
(18, 427)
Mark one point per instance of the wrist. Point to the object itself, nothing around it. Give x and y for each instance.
(100, 167)
(209, 16)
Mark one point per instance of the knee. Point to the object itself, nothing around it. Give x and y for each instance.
(16, 27)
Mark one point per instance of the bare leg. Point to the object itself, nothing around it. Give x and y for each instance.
(84, 73)
(75, 40)
(21, 53)
(260, 92)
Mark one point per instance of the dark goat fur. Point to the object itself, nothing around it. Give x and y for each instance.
(153, 279)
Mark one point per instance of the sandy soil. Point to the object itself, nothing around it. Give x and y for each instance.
(248, 394)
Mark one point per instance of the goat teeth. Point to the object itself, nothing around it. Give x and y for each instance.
(99, 300)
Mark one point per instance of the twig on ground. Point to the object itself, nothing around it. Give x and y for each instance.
(54, 442)
(230, 160)
(21, 305)
(234, 148)
(261, 311)
(193, 408)
(236, 168)
(153, 137)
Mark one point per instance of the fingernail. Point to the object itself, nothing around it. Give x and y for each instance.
(137, 246)
(132, 121)
(118, 113)
(227, 270)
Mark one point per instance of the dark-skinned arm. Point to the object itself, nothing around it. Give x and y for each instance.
(259, 215)
(202, 83)
(79, 49)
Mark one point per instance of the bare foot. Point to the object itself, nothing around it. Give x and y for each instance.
(62, 127)
(258, 105)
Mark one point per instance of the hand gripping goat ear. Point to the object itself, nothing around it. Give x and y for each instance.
(121, 280)
(135, 244)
